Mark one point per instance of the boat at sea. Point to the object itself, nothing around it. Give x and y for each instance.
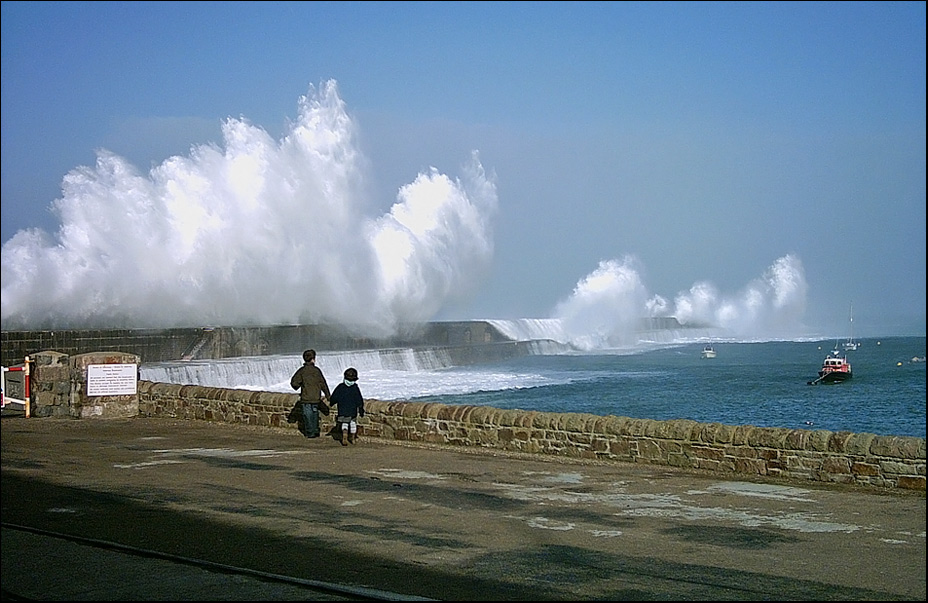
(850, 344)
(835, 368)
(708, 351)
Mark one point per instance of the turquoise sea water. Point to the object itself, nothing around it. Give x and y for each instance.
(761, 384)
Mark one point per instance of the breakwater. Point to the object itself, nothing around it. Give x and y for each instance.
(214, 343)
(163, 345)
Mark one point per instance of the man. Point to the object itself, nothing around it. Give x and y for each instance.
(313, 388)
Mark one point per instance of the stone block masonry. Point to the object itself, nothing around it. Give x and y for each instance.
(158, 345)
(817, 456)
(60, 388)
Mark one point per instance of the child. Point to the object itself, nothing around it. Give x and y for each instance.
(347, 398)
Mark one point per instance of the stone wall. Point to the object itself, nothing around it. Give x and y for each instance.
(160, 345)
(59, 387)
(151, 345)
(820, 456)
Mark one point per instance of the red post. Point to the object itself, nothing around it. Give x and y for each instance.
(25, 370)
(26, 385)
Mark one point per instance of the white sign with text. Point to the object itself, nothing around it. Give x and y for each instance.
(112, 379)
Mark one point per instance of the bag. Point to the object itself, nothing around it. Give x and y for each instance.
(295, 413)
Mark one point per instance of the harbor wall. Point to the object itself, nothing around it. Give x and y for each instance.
(862, 459)
(213, 343)
(205, 343)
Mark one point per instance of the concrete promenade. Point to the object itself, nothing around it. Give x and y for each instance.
(407, 522)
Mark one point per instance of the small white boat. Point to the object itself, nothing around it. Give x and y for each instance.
(851, 344)
(708, 351)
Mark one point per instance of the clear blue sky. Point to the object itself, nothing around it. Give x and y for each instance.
(690, 146)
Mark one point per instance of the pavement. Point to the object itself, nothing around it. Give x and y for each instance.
(160, 509)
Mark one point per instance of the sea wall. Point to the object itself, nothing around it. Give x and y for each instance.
(212, 343)
(160, 345)
(818, 456)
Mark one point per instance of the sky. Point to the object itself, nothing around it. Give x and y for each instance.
(757, 166)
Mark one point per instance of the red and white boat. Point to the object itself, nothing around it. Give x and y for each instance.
(835, 369)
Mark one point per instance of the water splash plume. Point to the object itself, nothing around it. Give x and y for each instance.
(255, 231)
(606, 307)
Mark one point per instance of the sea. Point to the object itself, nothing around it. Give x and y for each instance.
(765, 384)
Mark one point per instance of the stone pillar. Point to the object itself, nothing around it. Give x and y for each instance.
(51, 385)
(94, 385)
(104, 385)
